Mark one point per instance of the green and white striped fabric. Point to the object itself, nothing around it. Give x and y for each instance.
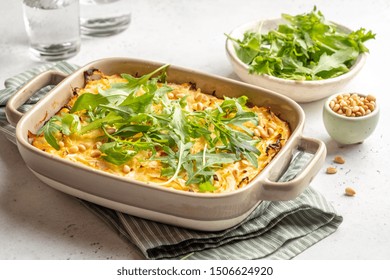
(274, 230)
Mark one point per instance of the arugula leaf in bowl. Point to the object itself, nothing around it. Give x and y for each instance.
(302, 47)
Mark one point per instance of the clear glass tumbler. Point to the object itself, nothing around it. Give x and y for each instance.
(53, 28)
(100, 18)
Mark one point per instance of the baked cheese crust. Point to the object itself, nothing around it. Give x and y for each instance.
(269, 130)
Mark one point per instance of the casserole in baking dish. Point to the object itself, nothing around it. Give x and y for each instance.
(203, 211)
(169, 134)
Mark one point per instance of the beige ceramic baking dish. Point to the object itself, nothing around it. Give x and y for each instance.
(199, 211)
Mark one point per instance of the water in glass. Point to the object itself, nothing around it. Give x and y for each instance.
(53, 28)
(102, 18)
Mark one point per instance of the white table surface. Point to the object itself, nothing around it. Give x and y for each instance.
(38, 222)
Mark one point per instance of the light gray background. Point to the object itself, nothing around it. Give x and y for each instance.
(37, 222)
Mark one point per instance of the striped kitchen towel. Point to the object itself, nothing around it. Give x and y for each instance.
(274, 230)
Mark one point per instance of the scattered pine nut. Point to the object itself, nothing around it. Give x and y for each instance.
(61, 144)
(87, 145)
(199, 106)
(331, 170)
(73, 149)
(111, 130)
(126, 169)
(97, 145)
(339, 160)
(350, 191)
(263, 133)
(180, 95)
(82, 148)
(96, 153)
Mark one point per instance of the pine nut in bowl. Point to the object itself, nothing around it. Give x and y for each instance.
(286, 56)
(350, 118)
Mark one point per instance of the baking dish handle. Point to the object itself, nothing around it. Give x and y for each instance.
(29, 89)
(288, 190)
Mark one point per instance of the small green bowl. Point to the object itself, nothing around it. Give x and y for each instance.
(349, 130)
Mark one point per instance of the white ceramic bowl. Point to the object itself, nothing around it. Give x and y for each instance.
(300, 91)
(349, 130)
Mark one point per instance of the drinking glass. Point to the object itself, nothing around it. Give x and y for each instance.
(100, 18)
(53, 28)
